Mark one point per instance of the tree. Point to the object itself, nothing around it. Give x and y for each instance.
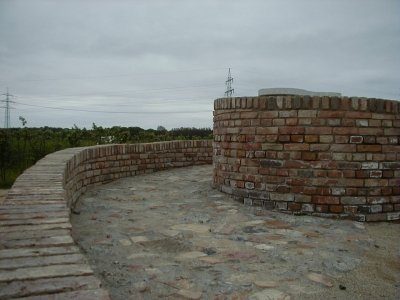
(161, 128)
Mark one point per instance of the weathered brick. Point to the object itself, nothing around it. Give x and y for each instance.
(268, 163)
(281, 197)
(306, 207)
(266, 130)
(356, 139)
(326, 139)
(352, 200)
(343, 148)
(362, 123)
(297, 147)
(307, 113)
(271, 146)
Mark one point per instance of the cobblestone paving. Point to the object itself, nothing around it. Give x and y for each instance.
(170, 235)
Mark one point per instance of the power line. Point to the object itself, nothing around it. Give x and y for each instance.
(228, 83)
(113, 112)
(117, 75)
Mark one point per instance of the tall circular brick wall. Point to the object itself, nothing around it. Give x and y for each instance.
(326, 156)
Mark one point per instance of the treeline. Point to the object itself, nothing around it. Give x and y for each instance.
(20, 148)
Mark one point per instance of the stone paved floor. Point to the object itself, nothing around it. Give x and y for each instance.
(170, 235)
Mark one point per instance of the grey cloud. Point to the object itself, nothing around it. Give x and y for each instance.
(102, 54)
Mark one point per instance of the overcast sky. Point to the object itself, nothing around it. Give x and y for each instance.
(150, 63)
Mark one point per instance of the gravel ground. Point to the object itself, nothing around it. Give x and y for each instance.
(169, 235)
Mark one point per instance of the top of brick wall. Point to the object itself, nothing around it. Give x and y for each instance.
(309, 102)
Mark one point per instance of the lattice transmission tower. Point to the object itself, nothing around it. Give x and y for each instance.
(7, 108)
(229, 90)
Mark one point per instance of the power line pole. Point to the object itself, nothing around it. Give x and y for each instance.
(229, 90)
(7, 109)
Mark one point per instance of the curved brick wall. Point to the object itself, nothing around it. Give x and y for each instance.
(38, 257)
(326, 156)
(100, 164)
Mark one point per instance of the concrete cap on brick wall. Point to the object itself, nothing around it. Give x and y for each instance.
(293, 91)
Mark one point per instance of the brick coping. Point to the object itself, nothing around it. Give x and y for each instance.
(38, 257)
(290, 102)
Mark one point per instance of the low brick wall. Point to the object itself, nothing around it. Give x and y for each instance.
(97, 165)
(38, 257)
(325, 156)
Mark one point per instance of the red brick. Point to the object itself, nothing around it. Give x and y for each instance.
(284, 138)
(326, 114)
(291, 130)
(278, 122)
(343, 148)
(294, 206)
(318, 122)
(297, 138)
(345, 130)
(370, 131)
(358, 115)
(266, 122)
(269, 114)
(356, 139)
(362, 174)
(325, 200)
(291, 121)
(369, 148)
(318, 130)
(375, 174)
(311, 138)
(309, 156)
(249, 115)
(336, 208)
(334, 174)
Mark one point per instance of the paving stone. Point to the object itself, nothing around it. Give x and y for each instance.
(320, 278)
(33, 216)
(125, 242)
(33, 221)
(24, 262)
(45, 272)
(47, 286)
(139, 239)
(16, 235)
(22, 209)
(40, 242)
(142, 255)
(188, 294)
(197, 228)
(15, 228)
(212, 260)
(95, 294)
(269, 294)
(26, 252)
(190, 255)
(264, 247)
(265, 284)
